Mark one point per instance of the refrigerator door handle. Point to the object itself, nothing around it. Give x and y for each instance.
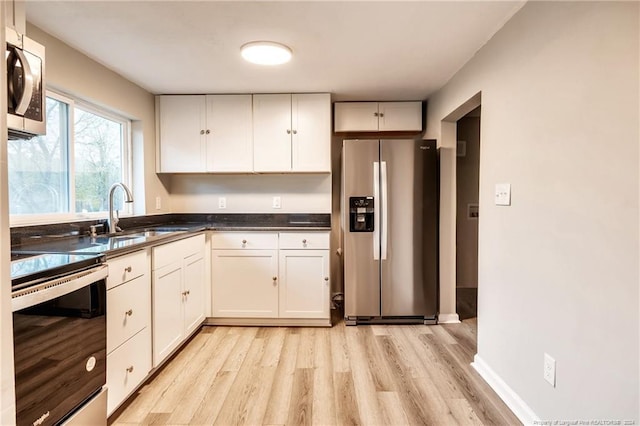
(385, 209)
(376, 210)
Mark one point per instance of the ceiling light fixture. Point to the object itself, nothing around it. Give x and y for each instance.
(266, 53)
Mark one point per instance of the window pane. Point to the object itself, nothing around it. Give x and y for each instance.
(98, 160)
(38, 167)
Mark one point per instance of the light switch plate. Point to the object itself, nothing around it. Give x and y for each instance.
(276, 203)
(222, 202)
(503, 194)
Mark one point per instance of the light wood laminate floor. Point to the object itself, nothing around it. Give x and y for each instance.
(364, 375)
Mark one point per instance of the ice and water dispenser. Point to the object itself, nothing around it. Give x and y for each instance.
(361, 214)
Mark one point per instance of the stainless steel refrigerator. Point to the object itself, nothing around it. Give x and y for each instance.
(390, 231)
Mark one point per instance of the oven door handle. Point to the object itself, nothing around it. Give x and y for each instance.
(56, 287)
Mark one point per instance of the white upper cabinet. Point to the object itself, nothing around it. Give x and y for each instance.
(199, 133)
(378, 116)
(272, 133)
(181, 139)
(292, 133)
(229, 143)
(311, 135)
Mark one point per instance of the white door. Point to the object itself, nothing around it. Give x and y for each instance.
(244, 283)
(356, 117)
(194, 292)
(182, 124)
(304, 283)
(167, 310)
(311, 129)
(230, 138)
(272, 133)
(400, 116)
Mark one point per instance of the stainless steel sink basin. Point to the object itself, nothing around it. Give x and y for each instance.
(144, 234)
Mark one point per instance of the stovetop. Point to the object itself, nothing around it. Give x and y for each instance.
(31, 268)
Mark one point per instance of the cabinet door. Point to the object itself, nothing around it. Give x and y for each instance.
(127, 367)
(128, 310)
(182, 124)
(400, 116)
(243, 283)
(194, 292)
(356, 117)
(167, 310)
(272, 133)
(311, 123)
(304, 283)
(230, 141)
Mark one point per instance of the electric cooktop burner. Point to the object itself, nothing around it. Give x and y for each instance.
(31, 268)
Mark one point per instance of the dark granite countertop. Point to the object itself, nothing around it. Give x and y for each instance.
(74, 237)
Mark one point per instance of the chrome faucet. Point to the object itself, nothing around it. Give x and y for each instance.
(113, 218)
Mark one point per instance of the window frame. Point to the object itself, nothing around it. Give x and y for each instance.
(127, 169)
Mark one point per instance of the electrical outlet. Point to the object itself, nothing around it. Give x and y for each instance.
(222, 202)
(276, 202)
(550, 370)
(503, 194)
(158, 203)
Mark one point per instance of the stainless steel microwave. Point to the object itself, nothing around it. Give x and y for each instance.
(26, 103)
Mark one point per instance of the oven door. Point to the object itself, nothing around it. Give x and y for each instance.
(59, 345)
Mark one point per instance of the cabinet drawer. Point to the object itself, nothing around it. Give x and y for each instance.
(127, 310)
(304, 240)
(168, 253)
(127, 367)
(126, 268)
(244, 240)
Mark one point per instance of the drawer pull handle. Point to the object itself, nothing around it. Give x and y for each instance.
(129, 312)
(130, 369)
(128, 269)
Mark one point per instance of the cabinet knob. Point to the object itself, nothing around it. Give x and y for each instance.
(304, 241)
(295, 132)
(274, 279)
(186, 293)
(208, 131)
(244, 242)
(130, 369)
(375, 114)
(129, 312)
(128, 269)
(202, 132)
(326, 279)
(288, 131)
(382, 114)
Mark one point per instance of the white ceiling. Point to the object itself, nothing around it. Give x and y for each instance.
(357, 50)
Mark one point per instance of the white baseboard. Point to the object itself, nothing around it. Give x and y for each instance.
(448, 319)
(510, 398)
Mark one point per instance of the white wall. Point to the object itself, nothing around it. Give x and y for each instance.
(299, 193)
(74, 73)
(558, 269)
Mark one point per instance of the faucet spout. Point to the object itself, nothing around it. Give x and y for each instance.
(113, 218)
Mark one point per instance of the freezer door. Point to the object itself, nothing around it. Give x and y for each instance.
(361, 268)
(409, 222)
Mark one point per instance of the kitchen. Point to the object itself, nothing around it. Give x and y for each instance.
(556, 29)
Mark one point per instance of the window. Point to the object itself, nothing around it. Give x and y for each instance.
(67, 173)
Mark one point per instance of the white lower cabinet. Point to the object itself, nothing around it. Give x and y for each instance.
(245, 283)
(272, 276)
(304, 283)
(128, 325)
(127, 367)
(178, 283)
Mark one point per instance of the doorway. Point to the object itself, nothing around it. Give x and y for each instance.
(467, 213)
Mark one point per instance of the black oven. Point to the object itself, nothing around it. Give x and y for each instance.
(59, 324)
